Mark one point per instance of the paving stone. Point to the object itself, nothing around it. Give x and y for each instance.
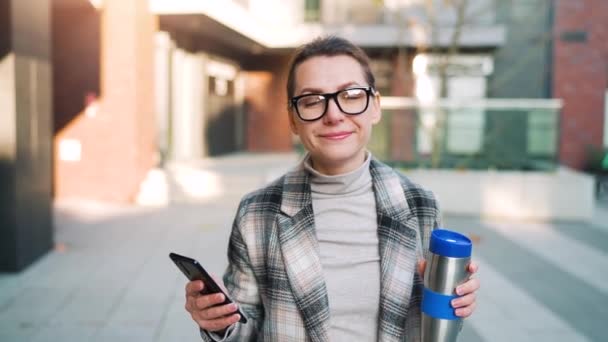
(113, 280)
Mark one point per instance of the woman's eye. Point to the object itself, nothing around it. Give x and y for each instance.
(352, 93)
(311, 101)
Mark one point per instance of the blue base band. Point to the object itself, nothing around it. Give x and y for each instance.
(438, 305)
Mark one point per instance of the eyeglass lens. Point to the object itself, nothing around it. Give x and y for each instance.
(350, 101)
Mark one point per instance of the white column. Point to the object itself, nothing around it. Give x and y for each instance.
(203, 94)
(162, 82)
(239, 99)
(189, 92)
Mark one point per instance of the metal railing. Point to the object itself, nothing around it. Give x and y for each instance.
(372, 12)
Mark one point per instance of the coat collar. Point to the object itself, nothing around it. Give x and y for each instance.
(388, 189)
(300, 250)
(397, 229)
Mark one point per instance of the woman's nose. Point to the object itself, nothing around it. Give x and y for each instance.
(333, 114)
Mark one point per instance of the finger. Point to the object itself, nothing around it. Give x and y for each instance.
(190, 306)
(207, 301)
(421, 267)
(220, 323)
(473, 267)
(193, 288)
(464, 300)
(218, 311)
(468, 287)
(466, 311)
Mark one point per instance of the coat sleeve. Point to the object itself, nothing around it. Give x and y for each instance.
(242, 286)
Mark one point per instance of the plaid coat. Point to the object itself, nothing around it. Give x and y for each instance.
(275, 273)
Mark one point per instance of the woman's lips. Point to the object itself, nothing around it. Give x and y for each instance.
(336, 135)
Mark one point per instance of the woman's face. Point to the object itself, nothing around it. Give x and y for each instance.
(336, 142)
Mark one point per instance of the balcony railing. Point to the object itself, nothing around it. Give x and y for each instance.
(515, 134)
(396, 12)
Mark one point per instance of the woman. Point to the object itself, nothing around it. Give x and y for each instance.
(333, 250)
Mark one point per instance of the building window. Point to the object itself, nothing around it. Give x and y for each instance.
(542, 132)
(220, 86)
(312, 10)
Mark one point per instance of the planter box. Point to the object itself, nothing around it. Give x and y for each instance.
(564, 194)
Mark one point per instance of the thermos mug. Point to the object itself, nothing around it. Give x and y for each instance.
(446, 268)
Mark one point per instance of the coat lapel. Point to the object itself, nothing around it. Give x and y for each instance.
(399, 251)
(300, 251)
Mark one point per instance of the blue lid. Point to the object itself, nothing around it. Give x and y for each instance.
(450, 244)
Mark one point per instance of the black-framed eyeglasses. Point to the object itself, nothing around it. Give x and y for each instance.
(351, 101)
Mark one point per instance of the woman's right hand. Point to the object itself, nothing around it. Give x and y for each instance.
(205, 310)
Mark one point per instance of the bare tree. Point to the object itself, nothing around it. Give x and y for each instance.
(431, 27)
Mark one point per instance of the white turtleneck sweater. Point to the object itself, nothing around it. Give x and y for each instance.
(346, 227)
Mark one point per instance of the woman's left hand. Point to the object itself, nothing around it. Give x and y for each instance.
(466, 303)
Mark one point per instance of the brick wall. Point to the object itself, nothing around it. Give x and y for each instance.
(116, 132)
(580, 75)
(266, 103)
(71, 46)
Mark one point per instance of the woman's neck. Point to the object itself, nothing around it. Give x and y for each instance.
(338, 167)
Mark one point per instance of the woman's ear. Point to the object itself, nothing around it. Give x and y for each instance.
(376, 108)
(292, 121)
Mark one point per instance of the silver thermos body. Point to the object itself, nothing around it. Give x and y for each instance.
(446, 268)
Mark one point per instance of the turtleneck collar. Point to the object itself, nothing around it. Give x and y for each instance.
(342, 184)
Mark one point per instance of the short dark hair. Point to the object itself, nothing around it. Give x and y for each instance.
(328, 46)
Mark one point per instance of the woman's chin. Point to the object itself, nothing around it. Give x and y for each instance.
(337, 156)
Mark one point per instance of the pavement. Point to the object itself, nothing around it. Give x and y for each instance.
(109, 277)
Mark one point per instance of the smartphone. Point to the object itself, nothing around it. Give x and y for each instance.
(193, 270)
